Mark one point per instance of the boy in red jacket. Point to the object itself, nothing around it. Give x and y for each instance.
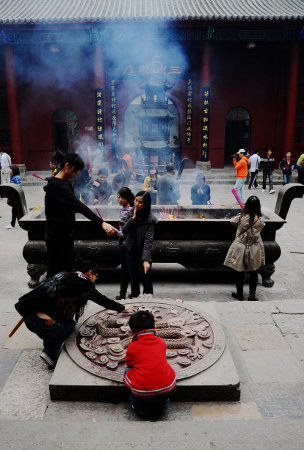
(149, 377)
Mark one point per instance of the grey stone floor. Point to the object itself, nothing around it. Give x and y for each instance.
(265, 338)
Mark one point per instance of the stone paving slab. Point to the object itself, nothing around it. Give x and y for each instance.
(258, 337)
(279, 399)
(270, 434)
(260, 307)
(243, 318)
(231, 411)
(82, 412)
(289, 323)
(296, 343)
(25, 395)
(7, 362)
(273, 366)
(23, 339)
(290, 306)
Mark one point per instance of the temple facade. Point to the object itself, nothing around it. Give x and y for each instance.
(79, 75)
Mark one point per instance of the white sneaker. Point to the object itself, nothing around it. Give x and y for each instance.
(271, 191)
(8, 227)
(263, 190)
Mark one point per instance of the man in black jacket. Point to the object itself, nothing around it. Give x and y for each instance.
(49, 309)
(60, 208)
(267, 163)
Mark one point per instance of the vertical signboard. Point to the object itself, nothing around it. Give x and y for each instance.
(100, 135)
(205, 124)
(189, 111)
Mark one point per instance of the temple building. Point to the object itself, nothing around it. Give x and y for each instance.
(161, 78)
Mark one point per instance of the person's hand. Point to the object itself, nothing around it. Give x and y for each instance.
(146, 265)
(96, 184)
(95, 200)
(134, 214)
(109, 229)
(199, 191)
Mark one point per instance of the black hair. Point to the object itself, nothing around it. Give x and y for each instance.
(170, 168)
(57, 157)
(141, 320)
(252, 208)
(126, 194)
(152, 167)
(73, 160)
(103, 172)
(86, 265)
(15, 170)
(144, 213)
(255, 150)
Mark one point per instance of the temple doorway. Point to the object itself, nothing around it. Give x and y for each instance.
(65, 130)
(238, 126)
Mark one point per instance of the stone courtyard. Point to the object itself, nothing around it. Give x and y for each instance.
(265, 339)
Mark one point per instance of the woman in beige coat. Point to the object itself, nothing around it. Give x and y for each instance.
(246, 253)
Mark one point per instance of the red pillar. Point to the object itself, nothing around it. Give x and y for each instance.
(13, 105)
(292, 97)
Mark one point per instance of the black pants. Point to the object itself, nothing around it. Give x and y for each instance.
(253, 179)
(52, 335)
(124, 275)
(253, 277)
(60, 255)
(14, 216)
(137, 274)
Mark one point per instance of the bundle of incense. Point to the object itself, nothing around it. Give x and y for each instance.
(235, 192)
(37, 176)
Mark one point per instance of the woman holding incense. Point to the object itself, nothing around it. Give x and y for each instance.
(246, 253)
(150, 185)
(60, 208)
(139, 232)
(125, 198)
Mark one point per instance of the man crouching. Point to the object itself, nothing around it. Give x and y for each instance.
(50, 310)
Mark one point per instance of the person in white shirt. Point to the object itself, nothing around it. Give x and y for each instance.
(5, 167)
(254, 161)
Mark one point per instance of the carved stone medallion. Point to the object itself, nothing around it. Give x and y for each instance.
(194, 339)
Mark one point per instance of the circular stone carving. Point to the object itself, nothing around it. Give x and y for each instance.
(194, 339)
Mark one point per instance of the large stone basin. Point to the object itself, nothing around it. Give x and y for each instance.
(195, 237)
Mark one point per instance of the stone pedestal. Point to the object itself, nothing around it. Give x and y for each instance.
(218, 382)
(22, 169)
(205, 166)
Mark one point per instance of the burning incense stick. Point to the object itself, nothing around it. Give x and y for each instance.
(99, 213)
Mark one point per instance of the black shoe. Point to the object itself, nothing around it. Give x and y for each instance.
(121, 297)
(252, 298)
(237, 296)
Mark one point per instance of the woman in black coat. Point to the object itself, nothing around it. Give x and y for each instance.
(139, 232)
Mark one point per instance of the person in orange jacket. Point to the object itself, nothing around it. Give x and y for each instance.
(241, 168)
